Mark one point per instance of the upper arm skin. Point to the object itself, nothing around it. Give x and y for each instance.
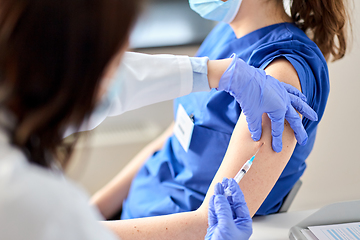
(268, 165)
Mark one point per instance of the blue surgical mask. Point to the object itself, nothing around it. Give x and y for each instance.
(216, 10)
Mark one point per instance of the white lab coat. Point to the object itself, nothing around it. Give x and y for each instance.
(143, 80)
(41, 204)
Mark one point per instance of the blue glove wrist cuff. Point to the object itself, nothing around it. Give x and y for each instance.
(226, 79)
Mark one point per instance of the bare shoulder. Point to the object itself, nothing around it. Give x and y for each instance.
(284, 71)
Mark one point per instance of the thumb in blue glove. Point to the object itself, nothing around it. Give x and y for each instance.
(228, 220)
(258, 93)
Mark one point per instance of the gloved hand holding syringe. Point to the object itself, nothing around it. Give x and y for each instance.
(245, 168)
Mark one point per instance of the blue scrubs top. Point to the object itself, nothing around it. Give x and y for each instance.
(172, 180)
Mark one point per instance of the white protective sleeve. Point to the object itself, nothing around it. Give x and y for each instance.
(38, 204)
(142, 80)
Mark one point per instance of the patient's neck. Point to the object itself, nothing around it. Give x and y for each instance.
(256, 14)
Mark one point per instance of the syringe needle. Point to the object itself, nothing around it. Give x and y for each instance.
(259, 149)
(242, 171)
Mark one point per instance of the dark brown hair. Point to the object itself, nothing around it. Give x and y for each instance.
(325, 22)
(52, 58)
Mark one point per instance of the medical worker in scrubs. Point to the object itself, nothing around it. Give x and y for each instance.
(168, 178)
(57, 65)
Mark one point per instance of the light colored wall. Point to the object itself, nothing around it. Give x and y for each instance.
(333, 172)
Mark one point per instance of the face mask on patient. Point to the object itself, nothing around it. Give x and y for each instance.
(216, 10)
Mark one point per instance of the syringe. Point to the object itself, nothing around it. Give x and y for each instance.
(242, 172)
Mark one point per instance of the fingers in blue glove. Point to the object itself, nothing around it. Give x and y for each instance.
(240, 208)
(237, 194)
(255, 127)
(277, 129)
(303, 108)
(212, 218)
(222, 210)
(295, 123)
(224, 223)
(293, 90)
(219, 189)
(224, 182)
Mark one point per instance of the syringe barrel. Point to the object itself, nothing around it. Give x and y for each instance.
(227, 192)
(242, 172)
(239, 176)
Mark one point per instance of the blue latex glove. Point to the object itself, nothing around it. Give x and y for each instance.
(258, 93)
(228, 218)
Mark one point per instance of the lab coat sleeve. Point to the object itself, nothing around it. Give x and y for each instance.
(41, 204)
(200, 74)
(144, 79)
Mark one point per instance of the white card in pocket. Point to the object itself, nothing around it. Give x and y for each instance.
(183, 128)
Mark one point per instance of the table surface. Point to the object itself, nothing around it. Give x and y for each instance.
(277, 226)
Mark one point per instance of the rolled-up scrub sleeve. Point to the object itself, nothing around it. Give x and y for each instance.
(143, 80)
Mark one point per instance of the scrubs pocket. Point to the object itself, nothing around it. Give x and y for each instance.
(201, 162)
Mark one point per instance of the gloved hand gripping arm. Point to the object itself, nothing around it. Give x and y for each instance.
(258, 93)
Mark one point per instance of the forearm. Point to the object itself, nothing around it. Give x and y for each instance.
(109, 199)
(180, 226)
(216, 69)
